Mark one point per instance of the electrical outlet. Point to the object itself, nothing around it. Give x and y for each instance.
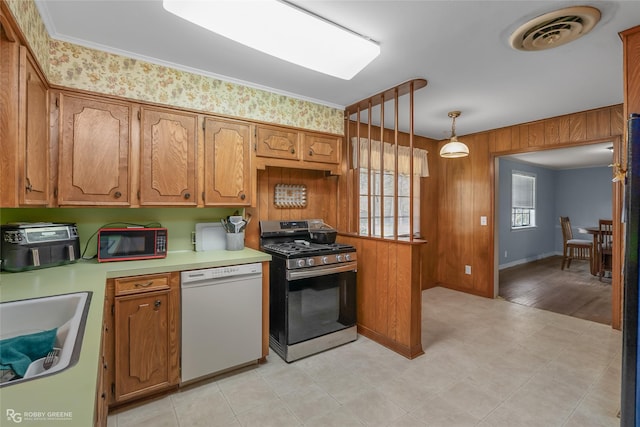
(467, 269)
(483, 220)
(505, 254)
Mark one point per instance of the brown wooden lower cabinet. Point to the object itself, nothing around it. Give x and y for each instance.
(142, 335)
(141, 341)
(102, 395)
(145, 323)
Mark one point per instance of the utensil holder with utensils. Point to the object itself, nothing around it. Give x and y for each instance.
(234, 225)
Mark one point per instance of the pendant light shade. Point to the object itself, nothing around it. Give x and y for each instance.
(454, 148)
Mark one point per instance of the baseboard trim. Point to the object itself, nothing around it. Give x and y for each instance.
(529, 259)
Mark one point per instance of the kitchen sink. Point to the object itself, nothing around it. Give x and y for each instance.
(67, 312)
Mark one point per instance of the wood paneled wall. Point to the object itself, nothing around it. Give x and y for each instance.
(631, 45)
(464, 196)
(571, 129)
(467, 190)
(322, 199)
(389, 295)
(391, 275)
(429, 187)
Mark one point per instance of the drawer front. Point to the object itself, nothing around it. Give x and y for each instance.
(137, 284)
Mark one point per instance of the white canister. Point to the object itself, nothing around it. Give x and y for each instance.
(235, 241)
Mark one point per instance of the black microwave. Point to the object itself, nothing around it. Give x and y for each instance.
(135, 243)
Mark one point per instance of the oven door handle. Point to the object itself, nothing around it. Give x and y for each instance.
(305, 273)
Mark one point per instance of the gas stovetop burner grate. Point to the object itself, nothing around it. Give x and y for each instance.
(303, 247)
(292, 239)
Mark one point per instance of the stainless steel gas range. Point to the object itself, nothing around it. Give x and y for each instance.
(312, 292)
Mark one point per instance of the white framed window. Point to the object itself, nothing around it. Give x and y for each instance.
(385, 200)
(379, 180)
(523, 200)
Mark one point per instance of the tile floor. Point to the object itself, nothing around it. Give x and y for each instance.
(487, 363)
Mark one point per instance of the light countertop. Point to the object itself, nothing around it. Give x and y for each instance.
(68, 398)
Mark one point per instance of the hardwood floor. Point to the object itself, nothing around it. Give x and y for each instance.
(573, 291)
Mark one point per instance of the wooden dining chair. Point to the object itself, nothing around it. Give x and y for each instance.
(573, 248)
(604, 241)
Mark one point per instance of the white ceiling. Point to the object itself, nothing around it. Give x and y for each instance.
(584, 156)
(460, 47)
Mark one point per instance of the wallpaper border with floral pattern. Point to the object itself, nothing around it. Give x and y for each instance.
(70, 65)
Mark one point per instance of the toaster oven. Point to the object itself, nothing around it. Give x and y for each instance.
(28, 246)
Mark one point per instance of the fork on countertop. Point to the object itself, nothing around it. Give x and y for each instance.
(50, 358)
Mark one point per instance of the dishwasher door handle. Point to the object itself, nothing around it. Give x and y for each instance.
(192, 277)
(209, 281)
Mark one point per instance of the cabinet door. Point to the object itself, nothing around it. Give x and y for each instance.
(320, 148)
(142, 344)
(227, 163)
(94, 152)
(9, 109)
(109, 342)
(33, 131)
(168, 158)
(102, 394)
(278, 143)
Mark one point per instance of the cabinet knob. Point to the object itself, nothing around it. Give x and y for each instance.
(293, 151)
(28, 187)
(311, 152)
(117, 194)
(187, 195)
(243, 196)
(157, 303)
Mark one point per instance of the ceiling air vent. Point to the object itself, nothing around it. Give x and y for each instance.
(555, 28)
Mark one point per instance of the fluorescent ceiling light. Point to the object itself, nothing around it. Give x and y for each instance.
(284, 31)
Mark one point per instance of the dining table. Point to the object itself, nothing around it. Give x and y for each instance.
(595, 255)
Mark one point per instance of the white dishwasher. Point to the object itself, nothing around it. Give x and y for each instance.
(221, 319)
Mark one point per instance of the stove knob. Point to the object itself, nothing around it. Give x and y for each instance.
(339, 258)
(311, 261)
(300, 263)
(347, 257)
(325, 260)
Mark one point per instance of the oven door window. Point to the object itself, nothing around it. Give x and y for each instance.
(321, 305)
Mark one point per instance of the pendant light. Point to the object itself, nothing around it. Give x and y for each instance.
(454, 148)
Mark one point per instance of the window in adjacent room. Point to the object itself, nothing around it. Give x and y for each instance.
(523, 200)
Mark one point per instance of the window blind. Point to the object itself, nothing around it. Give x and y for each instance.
(523, 191)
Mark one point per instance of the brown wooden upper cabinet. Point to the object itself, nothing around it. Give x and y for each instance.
(320, 148)
(33, 132)
(282, 147)
(24, 114)
(227, 163)
(278, 143)
(94, 138)
(168, 174)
